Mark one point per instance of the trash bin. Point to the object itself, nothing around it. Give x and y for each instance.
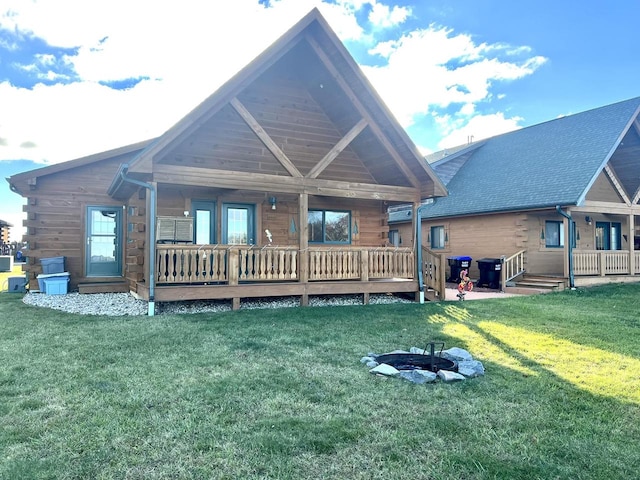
(457, 264)
(490, 269)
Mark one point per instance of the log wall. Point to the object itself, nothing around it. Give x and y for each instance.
(56, 216)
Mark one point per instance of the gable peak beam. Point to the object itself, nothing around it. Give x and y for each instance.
(337, 149)
(616, 183)
(326, 61)
(636, 125)
(265, 138)
(636, 197)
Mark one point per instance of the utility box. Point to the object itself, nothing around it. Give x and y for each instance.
(490, 271)
(52, 265)
(17, 284)
(6, 263)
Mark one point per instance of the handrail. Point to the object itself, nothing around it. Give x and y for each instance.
(434, 271)
(605, 262)
(512, 267)
(230, 264)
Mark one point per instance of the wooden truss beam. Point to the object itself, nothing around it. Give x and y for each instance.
(337, 148)
(616, 183)
(265, 138)
(213, 178)
(363, 112)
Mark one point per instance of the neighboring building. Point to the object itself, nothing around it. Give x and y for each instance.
(558, 199)
(5, 227)
(278, 184)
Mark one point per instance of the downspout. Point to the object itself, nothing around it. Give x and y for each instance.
(418, 236)
(152, 236)
(570, 243)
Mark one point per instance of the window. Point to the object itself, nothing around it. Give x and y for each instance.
(438, 237)
(203, 213)
(554, 234)
(608, 236)
(394, 238)
(329, 226)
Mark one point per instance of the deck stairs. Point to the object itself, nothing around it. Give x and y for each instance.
(532, 284)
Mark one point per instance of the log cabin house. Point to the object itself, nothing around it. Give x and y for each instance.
(557, 203)
(278, 184)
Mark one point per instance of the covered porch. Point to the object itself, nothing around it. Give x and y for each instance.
(208, 272)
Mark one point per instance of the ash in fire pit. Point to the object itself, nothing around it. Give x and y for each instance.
(425, 365)
(417, 361)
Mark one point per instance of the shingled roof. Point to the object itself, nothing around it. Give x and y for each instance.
(541, 166)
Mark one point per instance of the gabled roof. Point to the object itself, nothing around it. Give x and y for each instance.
(342, 69)
(541, 166)
(31, 176)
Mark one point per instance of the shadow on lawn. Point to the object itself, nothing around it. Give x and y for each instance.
(597, 371)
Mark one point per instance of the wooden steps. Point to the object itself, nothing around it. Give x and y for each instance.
(103, 287)
(537, 284)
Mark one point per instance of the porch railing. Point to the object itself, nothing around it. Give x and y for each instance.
(434, 273)
(190, 264)
(512, 267)
(605, 262)
(232, 264)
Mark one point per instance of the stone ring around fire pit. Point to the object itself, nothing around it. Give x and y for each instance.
(422, 366)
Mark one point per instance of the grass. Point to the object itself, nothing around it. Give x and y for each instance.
(281, 393)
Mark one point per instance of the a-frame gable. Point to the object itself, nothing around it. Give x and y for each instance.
(625, 163)
(362, 139)
(605, 190)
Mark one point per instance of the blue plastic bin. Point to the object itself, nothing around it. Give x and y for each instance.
(56, 285)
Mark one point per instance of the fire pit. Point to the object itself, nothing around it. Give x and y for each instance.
(417, 361)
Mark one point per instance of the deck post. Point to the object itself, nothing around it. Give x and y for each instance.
(234, 267)
(603, 263)
(364, 265)
(632, 232)
(233, 274)
(303, 219)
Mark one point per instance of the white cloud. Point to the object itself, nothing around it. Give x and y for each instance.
(184, 50)
(383, 16)
(434, 68)
(477, 127)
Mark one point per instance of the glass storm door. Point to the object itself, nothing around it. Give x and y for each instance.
(238, 224)
(204, 222)
(104, 248)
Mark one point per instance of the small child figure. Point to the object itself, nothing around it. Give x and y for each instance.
(465, 285)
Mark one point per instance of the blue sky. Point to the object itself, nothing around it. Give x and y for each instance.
(447, 69)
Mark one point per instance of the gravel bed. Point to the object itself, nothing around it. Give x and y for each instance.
(119, 304)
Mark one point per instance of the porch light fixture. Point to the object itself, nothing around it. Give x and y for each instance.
(588, 220)
(273, 201)
(186, 213)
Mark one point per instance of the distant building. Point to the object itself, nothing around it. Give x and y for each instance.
(4, 231)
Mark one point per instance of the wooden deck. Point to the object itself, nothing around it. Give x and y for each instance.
(224, 264)
(213, 272)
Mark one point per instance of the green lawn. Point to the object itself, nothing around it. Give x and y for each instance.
(282, 394)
